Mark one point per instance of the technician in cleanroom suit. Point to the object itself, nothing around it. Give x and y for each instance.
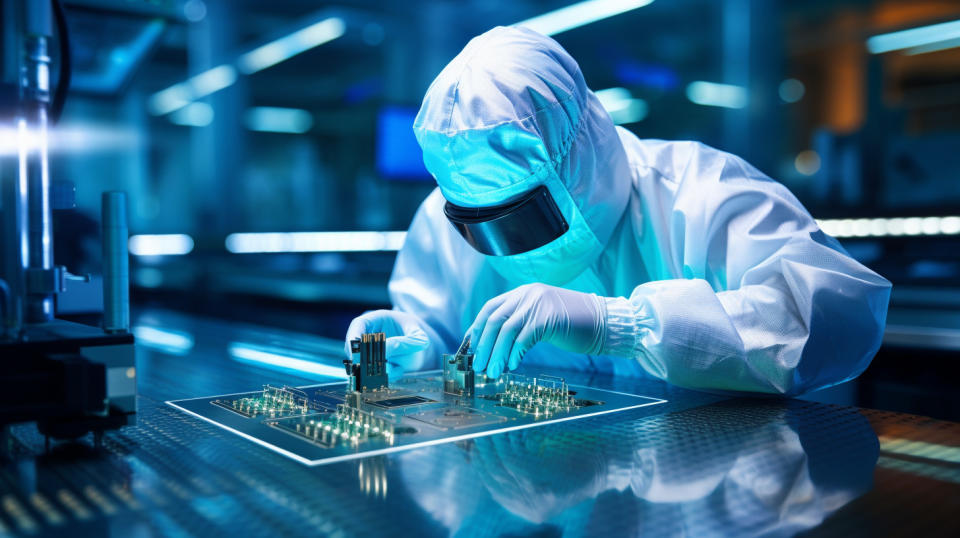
(558, 239)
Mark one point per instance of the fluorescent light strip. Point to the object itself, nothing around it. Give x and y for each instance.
(290, 45)
(283, 360)
(934, 47)
(213, 80)
(68, 138)
(160, 245)
(621, 105)
(915, 38)
(580, 14)
(180, 95)
(271, 119)
(177, 342)
(193, 115)
(894, 227)
(716, 94)
(249, 243)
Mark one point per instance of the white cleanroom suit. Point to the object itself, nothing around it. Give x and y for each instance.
(678, 261)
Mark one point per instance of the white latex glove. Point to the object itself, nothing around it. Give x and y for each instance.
(407, 341)
(510, 324)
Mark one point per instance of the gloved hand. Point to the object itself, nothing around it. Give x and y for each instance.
(510, 324)
(407, 341)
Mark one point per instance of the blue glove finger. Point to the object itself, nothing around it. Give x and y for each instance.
(403, 350)
(370, 322)
(408, 344)
(395, 371)
(491, 329)
(476, 328)
(501, 349)
(525, 340)
(384, 321)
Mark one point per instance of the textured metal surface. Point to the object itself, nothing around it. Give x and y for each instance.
(698, 465)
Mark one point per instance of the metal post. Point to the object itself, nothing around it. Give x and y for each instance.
(116, 278)
(34, 172)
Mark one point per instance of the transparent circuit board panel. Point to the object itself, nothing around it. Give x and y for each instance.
(321, 424)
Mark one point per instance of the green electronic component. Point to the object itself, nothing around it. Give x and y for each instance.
(346, 426)
(545, 395)
(272, 402)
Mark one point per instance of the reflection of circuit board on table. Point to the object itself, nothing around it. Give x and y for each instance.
(367, 415)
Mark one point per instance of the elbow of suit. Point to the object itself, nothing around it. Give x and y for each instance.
(841, 344)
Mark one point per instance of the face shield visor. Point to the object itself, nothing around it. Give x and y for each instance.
(511, 228)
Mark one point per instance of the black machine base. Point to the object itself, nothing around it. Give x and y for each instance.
(69, 378)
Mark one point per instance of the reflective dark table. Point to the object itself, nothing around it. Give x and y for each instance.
(700, 465)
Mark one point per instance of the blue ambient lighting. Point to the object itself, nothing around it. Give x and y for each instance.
(621, 105)
(398, 153)
(166, 340)
(251, 243)
(160, 245)
(193, 115)
(283, 360)
(278, 120)
(922, 39)
(290, 45)
(579, 14)
(716, 94)
(180, 95)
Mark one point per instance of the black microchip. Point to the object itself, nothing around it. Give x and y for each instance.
(401, 401)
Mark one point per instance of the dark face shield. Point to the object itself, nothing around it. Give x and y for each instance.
(512, 228)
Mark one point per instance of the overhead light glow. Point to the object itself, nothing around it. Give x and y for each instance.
(622, 106)
(212, 80)
(807, 162)
(180, 95)
(290, 45)
(278, 120)
(167, 340)
(86, 138)
(922, 39)
(934, 47)
(193, 115)
(251, 243)
(170, 99)
(579, 14)
(895, 227)
(791, 90)
(284, 360)
(716, 94)
(160, 245)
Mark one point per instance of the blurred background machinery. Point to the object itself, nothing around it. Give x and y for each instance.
(271, 170)
(69, 378)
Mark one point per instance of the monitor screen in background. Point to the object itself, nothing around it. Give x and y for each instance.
(398, 155)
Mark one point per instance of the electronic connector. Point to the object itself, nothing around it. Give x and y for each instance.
(368, 369)
(458, 375)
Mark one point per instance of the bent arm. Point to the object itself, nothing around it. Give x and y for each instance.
(768, 302)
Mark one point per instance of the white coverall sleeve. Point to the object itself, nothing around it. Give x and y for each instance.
(767, 302)
(423, 283)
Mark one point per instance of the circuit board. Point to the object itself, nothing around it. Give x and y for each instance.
(320, 424)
